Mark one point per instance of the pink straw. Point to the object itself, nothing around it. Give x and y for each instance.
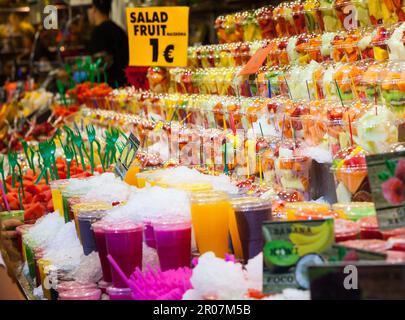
(4, 197)
(120, 272)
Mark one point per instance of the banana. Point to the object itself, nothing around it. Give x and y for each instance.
(323, 243)
(300, 239)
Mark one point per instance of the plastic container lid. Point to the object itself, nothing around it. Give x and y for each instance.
(209, 197)
(171, 223)
(123, 226)
(91, 215)
(80, 294)
(100, 225)
(248, 204)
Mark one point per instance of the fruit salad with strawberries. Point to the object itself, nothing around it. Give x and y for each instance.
(351, 177)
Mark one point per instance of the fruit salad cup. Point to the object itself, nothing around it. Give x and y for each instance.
(396, 43)
(158, 79)
(284, 21)
(350, 171)
(385, 11)
(306, 210)
(343, 11)
(369, 87)
(380, 43)
(251, 27)
(330, 20)
(393, 86)
(345, 47)
(347, 78)
(299, 17)
(264, 17)
(292, 172)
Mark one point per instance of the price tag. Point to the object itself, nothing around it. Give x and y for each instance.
(256, 61)
(158, 36)
(386, 174)
(128, 156)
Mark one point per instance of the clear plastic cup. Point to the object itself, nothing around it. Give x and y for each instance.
(346, 230)
(250, 213)
(80, 294)
(173, 242)
(85, 220)
(56, 189)
(355, 210)
(74, 285)
(210, 218)
(21, 230)
(369, 228)
(99, 234)
(292, 173)
(306, 210)
(124, 243)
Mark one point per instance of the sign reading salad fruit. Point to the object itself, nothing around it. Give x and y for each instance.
(386, 173)
(158, 36)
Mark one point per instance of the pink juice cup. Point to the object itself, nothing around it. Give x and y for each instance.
(124, 243)
(80, 294)
(99, 234)
(75, 285)
(173, 242)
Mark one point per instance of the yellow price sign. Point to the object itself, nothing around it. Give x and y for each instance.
(158, 36)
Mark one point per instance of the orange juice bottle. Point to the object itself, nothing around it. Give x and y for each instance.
(210, 218)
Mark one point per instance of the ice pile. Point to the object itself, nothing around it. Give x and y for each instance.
(149, 203)
(89, 269)
(45, 229)
(184, 175)
(107, 188)
(65, 248)
(215, 278)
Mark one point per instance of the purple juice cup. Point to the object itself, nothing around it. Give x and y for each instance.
(173, 242)
(101, 244)
(124, 243)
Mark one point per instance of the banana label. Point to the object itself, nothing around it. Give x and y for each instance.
(127, 156)
(290, 247)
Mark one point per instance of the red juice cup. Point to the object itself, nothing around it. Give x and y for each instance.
(81, 294)
(346, 230)
(99, 234)
(20, 231)
(369, 228)
(124, 244)
(173, 242)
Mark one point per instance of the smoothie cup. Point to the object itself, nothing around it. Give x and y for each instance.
(42, 264)
(99, 234)
(210, 218)
(85, 220)
(21, 230)
(173, 242)
(87, 206)
(80, 294)
(124, 243)
(56, 188)
(75, 285)
(250, 213)
(119, 293)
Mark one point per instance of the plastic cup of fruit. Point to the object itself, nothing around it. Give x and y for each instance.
(355, 210)
(369, 228)
(393, 86)
(293, 173)
(346, 230)
(330, 20)
(379, 43)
